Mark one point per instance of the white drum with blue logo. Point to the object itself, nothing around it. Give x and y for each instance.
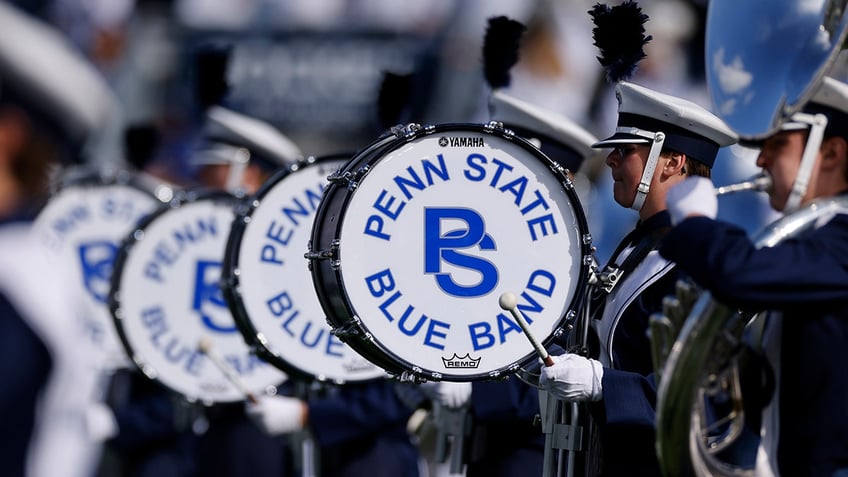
(268, 284)
(166, 300)
(419, 235)
(83, 224)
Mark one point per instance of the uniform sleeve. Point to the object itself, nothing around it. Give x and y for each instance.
(357, 411)
(629, 398)
(504, 400)
(721, 258)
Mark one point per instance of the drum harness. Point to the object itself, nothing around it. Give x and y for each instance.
(567, 425)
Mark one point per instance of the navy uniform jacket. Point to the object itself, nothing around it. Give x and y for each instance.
(360, 429)
(807, 280)
(625, 415)
(505, 441)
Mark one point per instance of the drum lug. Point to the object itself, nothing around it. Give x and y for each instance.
(332, 254)
(348, 179)
(498, 126)
(350, 329)
(409, 130)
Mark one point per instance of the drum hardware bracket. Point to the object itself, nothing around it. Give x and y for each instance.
(351, 328)
(498, 126)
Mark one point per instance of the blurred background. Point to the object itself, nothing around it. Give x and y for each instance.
(313, 69)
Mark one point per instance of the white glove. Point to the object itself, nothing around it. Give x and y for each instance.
(100, 422)
(277, 414)
(694, 196)
(573, 377)
(447, 393)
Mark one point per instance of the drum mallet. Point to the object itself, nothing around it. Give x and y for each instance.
(205, 347)
(509, 302)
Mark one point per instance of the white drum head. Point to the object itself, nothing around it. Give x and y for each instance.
(167, 299)
(83, 224)
(438, 229)
(276, 300)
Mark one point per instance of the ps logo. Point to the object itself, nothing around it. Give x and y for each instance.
(443, 247)
(208, 299)
(96, 260)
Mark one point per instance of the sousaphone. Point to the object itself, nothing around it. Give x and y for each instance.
(764, 61)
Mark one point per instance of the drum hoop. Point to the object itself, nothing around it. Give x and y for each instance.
(181, 198)
(373, 155)
(231, 278)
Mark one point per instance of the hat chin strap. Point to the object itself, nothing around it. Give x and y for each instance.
(657, 141)
(237, 168)
(817, 125)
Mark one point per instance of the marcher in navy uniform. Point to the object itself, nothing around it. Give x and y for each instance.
(360, 428)
(239, 152)
(660, 140)
(48, 379)
(801, 280)
(506, 439)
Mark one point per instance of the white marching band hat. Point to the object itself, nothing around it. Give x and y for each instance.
(688, 127)
(830, 99)
(43, 70)
(231, 137)
(563, 140)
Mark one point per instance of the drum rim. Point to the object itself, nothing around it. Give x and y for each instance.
(372, 155)
(115, 305)
(231, 274)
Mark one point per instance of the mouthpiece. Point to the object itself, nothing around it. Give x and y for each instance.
(759, 183)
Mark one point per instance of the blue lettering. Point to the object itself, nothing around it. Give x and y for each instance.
(380, 283)
(481, 335)
(517, 187)
(439, 247)
(167, 251)
(542, 222)
(478, 173)
(505, 326)
(416, 183)
(75, 216)
(154, 320)
(314, 342)
(334, 346)
(279, 234)
(243, 364)
(432, 333)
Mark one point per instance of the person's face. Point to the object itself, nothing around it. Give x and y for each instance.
(626, 162)
(214, 175)
(780, 157)
(217, 175)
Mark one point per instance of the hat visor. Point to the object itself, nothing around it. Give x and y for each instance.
(620, 138)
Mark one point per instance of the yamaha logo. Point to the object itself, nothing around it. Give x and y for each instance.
(461, 361)
(461, 141)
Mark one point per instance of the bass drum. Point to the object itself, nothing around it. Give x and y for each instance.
(82, 225)
(267, 283)
(169, 310)
(418, 236)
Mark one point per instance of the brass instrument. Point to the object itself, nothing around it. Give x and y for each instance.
(707, 340)
(764, 62)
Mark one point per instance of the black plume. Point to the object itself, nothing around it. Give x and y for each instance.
(393, 98)
(210, 74)
(619, 34)
(141, 142)
(500, 50)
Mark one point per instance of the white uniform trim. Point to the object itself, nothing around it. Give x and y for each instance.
(60, 444)
(651, 269)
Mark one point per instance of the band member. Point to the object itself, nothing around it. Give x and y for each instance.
(239, 152)
(504, 440)
(45, 117)
(800, 280)
(660, 140)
